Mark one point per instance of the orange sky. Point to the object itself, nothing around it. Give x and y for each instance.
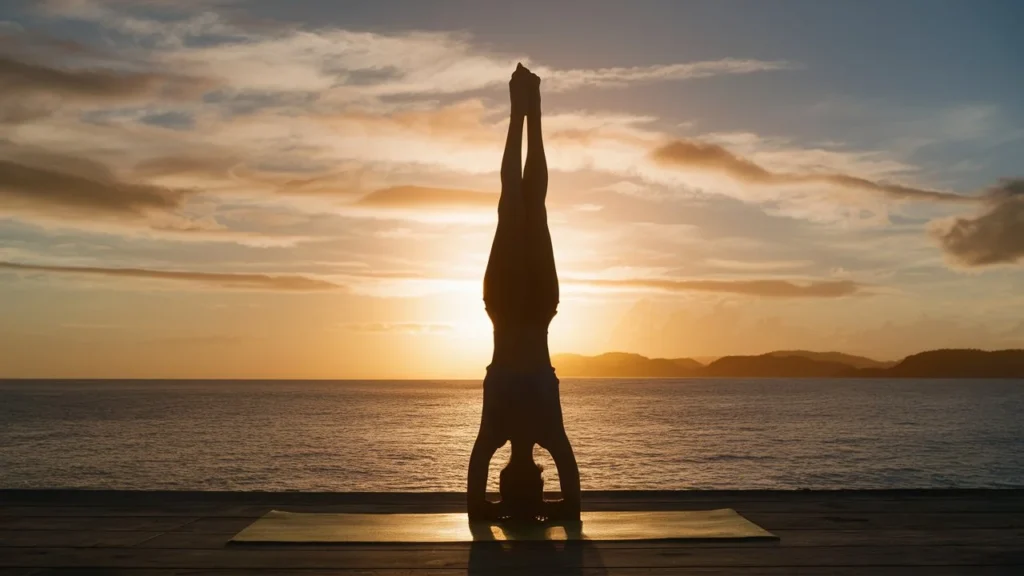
(220, 191)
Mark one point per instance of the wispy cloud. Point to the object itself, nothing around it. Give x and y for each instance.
(625, 76)
(768, 288)
(355, 64)
(996, 236)
(22, 78)
(421, 197)
(426, 328)
(280, 282)
(765, 265)
(44, 180)
(697, 155)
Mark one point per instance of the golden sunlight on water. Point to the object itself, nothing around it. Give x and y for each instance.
(417, 435)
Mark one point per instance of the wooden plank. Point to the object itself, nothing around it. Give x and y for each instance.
(73, 538)
(772, 521)
(215, 525)
(107, 523)
(190, 510)
(523, 557)
(188, 540)
(747, 571)
(797, 538)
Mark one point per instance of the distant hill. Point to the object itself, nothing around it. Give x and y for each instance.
(622, 365)
(797, 364)
(773, 366)
(952, 363)
(837, 357)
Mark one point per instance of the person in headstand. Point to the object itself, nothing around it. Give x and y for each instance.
(521, 397)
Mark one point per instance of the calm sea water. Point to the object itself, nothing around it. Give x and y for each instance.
(416, 436)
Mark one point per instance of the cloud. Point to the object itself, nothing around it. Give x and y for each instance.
(994, 237)
(24, 79)
(758, 265)
(181, 20)
(408, 63)
(354, 64)
(712, 157)
(211, 165)
(43, 180)
(768, 288)
(283, 282)
(561, 80)
(422, 197)
(427, 328)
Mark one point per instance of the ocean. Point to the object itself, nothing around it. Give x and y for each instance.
(416, 435)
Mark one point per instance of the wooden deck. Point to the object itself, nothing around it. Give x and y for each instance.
(933, 533)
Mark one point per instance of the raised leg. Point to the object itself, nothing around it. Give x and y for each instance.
(506, 264)
(542, 291)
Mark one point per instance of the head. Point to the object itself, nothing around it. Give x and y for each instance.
(522, 489)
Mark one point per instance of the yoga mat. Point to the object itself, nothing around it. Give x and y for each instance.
(278, 527)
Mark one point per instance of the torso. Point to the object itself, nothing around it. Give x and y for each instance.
(522, 349)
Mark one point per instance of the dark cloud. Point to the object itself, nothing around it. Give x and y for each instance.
(16, 41)
(284, 282)
(22, 78)
(210, 165)
(46, 181)
(996, 236)
(707, 156)
(424, 197)
(769, 288)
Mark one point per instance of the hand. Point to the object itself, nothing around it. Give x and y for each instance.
(560, 511)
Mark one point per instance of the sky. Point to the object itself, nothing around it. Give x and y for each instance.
(227, 189)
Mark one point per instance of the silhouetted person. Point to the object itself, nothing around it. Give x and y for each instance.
(521, 398)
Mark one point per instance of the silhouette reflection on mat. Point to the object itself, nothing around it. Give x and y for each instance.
(521, 399)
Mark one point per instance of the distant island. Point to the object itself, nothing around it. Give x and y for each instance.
(949, 363)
